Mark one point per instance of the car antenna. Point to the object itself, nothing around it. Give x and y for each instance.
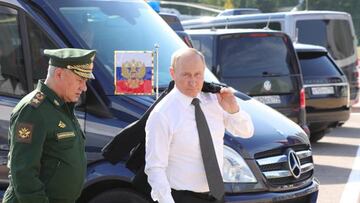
(227, 22)
(267, 24)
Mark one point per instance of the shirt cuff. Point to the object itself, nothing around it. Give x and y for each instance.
(162, 196)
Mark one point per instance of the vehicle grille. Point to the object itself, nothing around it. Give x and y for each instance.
(275, 168)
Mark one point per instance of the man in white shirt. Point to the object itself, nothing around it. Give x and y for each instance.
(174, 162)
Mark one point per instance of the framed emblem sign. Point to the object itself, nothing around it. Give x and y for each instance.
(134, 72)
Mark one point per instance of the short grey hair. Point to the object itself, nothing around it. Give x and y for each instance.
(51, 71)
(180, 52)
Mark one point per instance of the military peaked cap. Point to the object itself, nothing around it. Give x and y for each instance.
(80, 61)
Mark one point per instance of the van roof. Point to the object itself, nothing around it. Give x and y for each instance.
(260, 16)
(229, 31)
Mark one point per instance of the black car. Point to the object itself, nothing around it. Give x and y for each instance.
(326, 90)
(260, 63)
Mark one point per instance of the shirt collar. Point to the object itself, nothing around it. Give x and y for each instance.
(50, 94)
(184, 99)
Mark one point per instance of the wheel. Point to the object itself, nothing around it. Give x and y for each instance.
(316, 136)
(119, 195)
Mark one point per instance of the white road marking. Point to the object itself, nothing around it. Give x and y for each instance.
(352, 188)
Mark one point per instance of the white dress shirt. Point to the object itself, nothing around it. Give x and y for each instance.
(173, 156)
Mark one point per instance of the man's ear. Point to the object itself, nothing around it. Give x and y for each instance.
(59, 73)
(172, 72)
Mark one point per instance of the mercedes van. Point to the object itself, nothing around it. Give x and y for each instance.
(330, 29)
(265, 168)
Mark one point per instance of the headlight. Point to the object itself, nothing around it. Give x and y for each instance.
(235, 168)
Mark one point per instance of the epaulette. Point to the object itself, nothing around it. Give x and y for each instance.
(37, 99)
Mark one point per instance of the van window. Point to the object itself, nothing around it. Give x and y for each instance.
(253, 55)
(334, 35)
(107, 26)
(12, 68)
(172, 21)
(205, 44)
(39, 41)
(317, 64)
(125, 25)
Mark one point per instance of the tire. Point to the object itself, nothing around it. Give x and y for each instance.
(316, 136)
(119, 195)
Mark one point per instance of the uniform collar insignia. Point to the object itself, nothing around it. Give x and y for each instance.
(61, 124)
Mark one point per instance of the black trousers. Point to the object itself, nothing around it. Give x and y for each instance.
(184, 196)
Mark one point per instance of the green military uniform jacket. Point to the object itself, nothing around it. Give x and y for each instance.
(47, 158)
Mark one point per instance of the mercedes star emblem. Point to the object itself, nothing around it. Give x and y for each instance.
(294, 164)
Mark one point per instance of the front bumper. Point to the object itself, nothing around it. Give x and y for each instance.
(305, 195)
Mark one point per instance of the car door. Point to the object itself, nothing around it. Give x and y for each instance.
(22, 64)
(13, 83)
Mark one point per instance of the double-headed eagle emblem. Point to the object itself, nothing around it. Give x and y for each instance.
(24, 133)
(133, 71)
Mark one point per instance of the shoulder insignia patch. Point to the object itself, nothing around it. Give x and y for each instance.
(37, 99)
(24, 132)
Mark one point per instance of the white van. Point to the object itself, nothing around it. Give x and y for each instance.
(331, 29)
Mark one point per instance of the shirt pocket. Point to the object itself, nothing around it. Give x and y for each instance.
(65, 140)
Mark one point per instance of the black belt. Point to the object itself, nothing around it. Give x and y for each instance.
(201, 195)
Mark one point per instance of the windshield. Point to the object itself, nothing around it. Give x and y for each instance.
(334, 35)
(317, 64)
(205, 44)
(125, 25)
(254, 55)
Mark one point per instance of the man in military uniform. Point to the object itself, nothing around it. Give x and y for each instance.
(47, 158)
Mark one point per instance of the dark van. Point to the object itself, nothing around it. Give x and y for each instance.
(260, 63)
(260, 169)
(333, 30)
(326, 88)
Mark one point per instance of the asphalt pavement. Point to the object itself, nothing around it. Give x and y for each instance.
(337, 162)
(356, 108)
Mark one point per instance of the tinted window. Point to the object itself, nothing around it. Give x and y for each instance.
(173, 22)
(12, 74)
(335, 35)
(205, 45)
(39, 41)
(254, 55)
(108, 26)
(317, 64)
